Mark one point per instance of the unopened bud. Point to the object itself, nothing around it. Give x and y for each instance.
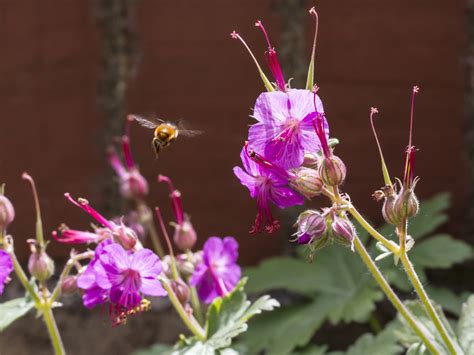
(388, 211)
(125, 236)
(40, 265)
(343, 231)
(311, 160)
(332, 171)
(7, 212)
(311, 227)
(406, 204)
(184, 235)
(307, 182)
(181, 290)
(69, 284)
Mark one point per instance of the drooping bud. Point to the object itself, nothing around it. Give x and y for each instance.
(332, 171)
(184, 235)
(181, 290)
(40, 265)
(311, 226)
(69, 284)
(343, 231)
(7, 213)
(307, 182)
(125, 236)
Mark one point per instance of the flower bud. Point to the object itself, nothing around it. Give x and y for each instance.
(311, 227)
(134, 185)
(332, 171)
(184, 235)
(40, 265)
(311, 160)
(307, 182)
(69, 284)
(7, 212)
(406, 204)
(343, 231)
(125, 236)
(181, 290)
(388, 210)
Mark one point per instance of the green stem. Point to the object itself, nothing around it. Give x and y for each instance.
(196, 305)
(53, 331)
(22, 276)
(372, 231)
(147, 220)
(419, 329)
(412, 275)
(188, 319)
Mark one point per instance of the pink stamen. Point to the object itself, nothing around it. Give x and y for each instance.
(115, 163)
(84, 205)
(272, 60)
(176, 201)
(260, 160)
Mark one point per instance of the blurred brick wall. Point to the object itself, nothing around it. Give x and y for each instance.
(370, 53)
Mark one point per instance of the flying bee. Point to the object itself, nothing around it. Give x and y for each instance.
(164, 132)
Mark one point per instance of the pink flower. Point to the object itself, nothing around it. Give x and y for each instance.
(6, 267)
(218, 272)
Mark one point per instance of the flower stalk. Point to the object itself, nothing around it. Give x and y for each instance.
(53, 330)
(187, 318)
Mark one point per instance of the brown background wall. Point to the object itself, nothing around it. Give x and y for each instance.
(370, 53)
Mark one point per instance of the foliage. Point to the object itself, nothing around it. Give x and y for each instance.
(336, 286)
(13, 310)
(227, 317)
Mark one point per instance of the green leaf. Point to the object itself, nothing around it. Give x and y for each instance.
(312, 350)
(285, 329)
(156, 349)
(228, 316)
(446, 299)
(465, 328)
(10, 311)
(440, 251)
(431, 216)
(279, 273)
(411, 340)
(385, 342)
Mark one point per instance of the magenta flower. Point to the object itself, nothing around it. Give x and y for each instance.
(6, 267)
(132, 184)
(218, 272)
(266, 183)
(130, 275)
(72, 236)
(120, 233)
(285, 130)
(95, 293)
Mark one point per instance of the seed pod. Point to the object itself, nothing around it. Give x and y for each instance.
(69, 284)
(181, 291)
(406, 204)
(307, 182)
(332, 171)
(125, 236)
(311, 160)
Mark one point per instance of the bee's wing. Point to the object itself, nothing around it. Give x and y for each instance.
(187, 132)
(151, 123)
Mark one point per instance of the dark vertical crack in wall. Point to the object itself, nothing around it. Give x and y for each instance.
(469, 59)
(118, 45)
(293, 16)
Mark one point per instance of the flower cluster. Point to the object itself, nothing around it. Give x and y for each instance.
(288, 158)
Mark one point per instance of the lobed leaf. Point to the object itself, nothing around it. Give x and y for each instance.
(10, 311)
(465, 327)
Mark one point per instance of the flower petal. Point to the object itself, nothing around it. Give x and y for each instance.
(152, 287)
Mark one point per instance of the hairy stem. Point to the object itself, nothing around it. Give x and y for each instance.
(53, 331)
(419, 329)
(188, 319)
(412, 275)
